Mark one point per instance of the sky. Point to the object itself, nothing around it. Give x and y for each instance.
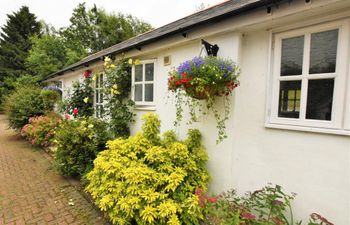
(58, 12)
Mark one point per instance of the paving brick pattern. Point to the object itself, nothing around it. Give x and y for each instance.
(31, 192)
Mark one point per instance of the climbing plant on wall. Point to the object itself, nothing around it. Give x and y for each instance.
(79, 102)
(117, 86)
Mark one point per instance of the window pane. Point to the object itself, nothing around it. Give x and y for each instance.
(138, 92)
(289, 99)
(138, 72)
(101, 97)
(97, 82)
(149, 72)
(323, 52)
(149, 92)
(101, 80)
(292, 56)
(319, 99)
(97, 95)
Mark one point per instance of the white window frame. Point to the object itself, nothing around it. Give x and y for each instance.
(143, 82)
(340, 121)
(98, 90)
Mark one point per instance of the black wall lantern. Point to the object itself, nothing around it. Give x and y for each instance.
(211, 49)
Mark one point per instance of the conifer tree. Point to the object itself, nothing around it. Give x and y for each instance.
(15, 42)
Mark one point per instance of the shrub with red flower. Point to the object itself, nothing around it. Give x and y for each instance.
(203, 78)
(79, 101)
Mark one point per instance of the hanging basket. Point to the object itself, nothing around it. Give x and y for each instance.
(202, 94)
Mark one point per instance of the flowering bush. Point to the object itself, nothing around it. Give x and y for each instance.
(78, 142)
(41, 129)
(268, 206)
(146, 179)
(79, 102)
(203, 79)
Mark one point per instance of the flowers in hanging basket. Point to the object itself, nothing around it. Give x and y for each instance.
(87, 73)
(204, 78)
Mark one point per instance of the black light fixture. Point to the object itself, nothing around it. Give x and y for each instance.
(211, 49)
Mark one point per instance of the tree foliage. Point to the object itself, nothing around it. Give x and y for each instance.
(15, 42)
(50, 54)
(14, 47)
(95, 29)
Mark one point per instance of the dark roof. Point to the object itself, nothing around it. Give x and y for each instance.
(215, 13)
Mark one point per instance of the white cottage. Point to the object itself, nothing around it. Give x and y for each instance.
(290, 117)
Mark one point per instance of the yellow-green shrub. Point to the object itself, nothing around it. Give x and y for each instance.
(146, 179)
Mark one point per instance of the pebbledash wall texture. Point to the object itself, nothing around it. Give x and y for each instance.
(312, 158)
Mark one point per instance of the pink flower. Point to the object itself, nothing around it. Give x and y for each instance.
(67, 117)
(75, 111)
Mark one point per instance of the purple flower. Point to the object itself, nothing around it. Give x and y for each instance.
(184, 67)
(197, 61)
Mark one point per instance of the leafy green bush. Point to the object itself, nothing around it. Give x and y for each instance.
(268, 206)
(78, 142)
(40, 129)
(50, 97)
(25, 102)
(146, 179)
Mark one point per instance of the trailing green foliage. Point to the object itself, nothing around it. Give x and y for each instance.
(146, 179)
(78, 142)
(26, 102)
(267, 206)
(79, 102)
(41, 129)
(117, 88)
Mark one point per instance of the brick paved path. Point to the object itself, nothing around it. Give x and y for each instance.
(31, 192)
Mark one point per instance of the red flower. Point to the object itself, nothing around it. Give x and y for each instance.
(212, 199)
(87, 73)
(184, 74)
(247, 215)
(75, 111)
(67, 117)
(178, 82)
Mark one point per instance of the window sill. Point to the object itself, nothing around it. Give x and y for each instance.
(145, 108)
(309, 129)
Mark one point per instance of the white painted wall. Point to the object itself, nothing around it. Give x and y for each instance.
(314, 165)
